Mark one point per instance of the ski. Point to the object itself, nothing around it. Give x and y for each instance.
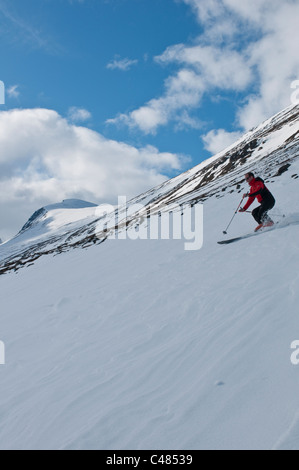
(233, 240)
(243, 237)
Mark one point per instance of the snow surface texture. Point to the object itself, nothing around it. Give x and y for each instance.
(142, 345)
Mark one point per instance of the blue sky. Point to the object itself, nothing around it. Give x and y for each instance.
(109, 97)
(57, 52)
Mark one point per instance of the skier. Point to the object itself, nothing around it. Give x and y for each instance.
(265, 198)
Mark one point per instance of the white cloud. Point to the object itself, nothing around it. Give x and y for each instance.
(44, 159)
(270, 50)
(218, 67)
(16, 29)
(275, 57)
(183, 90)
(122, 64)
(247, 46)
(203, 68)
(249, 10)
(217, 140)
(78, 114)
(186, 121)
(13, 91)
(206, 9)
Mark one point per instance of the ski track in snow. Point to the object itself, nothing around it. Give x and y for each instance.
(290, 439)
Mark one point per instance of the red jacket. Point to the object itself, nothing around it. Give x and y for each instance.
(258, 190)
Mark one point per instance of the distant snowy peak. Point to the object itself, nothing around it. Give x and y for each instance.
(33, 220)
(65, 204)
(70, 204)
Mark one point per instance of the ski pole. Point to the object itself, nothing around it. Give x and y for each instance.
(225, 231)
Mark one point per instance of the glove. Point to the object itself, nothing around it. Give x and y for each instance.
(241, 210)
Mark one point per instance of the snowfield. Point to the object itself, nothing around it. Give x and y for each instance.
(144, 345)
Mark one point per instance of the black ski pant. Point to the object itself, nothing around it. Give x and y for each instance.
(261, 213)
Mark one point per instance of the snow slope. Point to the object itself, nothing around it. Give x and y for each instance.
(143, 345)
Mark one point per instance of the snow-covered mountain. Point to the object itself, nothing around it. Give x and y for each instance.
(122, 344)
(269, 150)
